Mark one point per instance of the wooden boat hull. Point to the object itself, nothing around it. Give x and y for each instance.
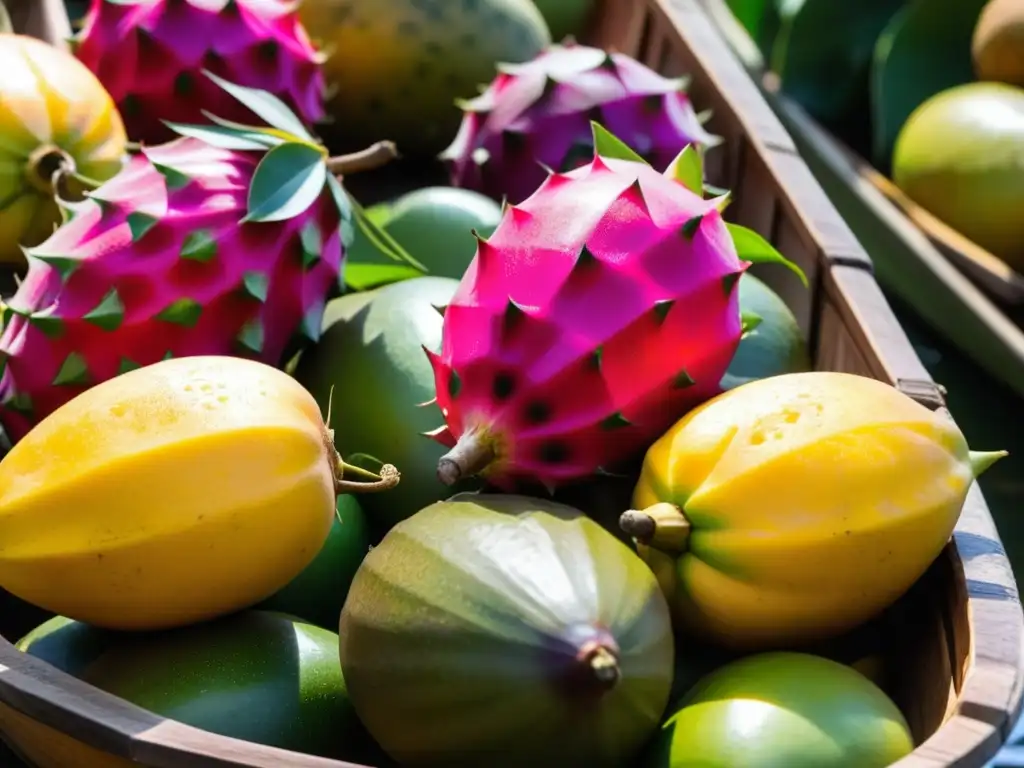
(948, 652)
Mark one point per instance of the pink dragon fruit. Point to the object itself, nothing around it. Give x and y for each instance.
(601, 309)
(150, 54)
(537, 115)
(225, 241)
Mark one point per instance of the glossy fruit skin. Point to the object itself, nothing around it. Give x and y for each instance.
(51, 101)
(775, 346)
(783, 710)
(399, 65)
(260, 676)
(960, 156)
(167, 495)
(815, 500)
(997, 46)
(317, 594)
(486, 600)
(371, 354)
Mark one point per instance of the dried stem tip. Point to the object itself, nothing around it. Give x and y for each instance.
(387, 479)
(662, 526)
(469, 457)
(374, 156)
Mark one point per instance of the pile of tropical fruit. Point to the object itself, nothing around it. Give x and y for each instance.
(594, 507)
(932, 92)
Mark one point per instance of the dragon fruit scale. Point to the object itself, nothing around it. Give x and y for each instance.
(601, 309)
(536, 116)
(226, 241)
(150, 56)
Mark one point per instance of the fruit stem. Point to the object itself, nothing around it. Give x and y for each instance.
(662, 526)
(603, 665)
(374, 156)
(387, 479)
(982, 460)
(48, 167)
(470, 456)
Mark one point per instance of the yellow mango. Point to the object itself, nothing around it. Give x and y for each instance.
(171, 494)
(797, 507)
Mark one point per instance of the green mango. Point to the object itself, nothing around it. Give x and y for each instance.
(822, 55)
(920, 53)
(506, 631)
(566, 18)
(775, 346)
(960, 156)
(259, 676)
(371, 355)
(317, 594)
(783, 710)
(434, 225)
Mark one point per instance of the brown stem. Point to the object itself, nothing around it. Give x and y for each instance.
(387, 479)
(374, 156)
(604, 665)
(662, 526)
(469, 457)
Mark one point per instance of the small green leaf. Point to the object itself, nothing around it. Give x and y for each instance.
(341, 198)
(64, 265)
(223, 138)
(199, 246)
(140, 223)
(126, 365)
(382, 241)
(312, 243)
(615, 421)
(21, 403)
(682, 380)
(311, 326)
(688, 169)
(174, 178)
(751, 247)
(363, 277)
(287, 181)
(749, 321)
(608, 145)
(51, 327)
(72, 371)
(272, 139)
(454, 384)
(251, 337)
(255, 285)
(267, 106)
(109, 313)
(181, 312)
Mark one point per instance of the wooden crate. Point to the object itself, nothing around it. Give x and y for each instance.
(950, 649)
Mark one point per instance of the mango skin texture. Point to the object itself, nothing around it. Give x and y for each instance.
(815, 500)
(168, 495)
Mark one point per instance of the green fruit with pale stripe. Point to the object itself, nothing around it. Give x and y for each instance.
(506, 631)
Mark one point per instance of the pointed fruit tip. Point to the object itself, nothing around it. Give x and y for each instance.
(982, 460)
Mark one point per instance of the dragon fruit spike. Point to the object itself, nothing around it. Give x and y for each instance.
(601, 309)
(150, 54)
(536, 116)
(226, 241)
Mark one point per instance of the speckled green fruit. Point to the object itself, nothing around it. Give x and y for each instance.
(318, 593)
(775, 346)
(260, 676)
(506, 631)
(435, 226)
(960, 155)
(398, 66)
(566, 17)
(783, 710)
(371, 354)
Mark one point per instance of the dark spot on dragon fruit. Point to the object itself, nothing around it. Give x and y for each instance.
(653, 103)
(184, 85)
(537, 412)
(130, 105)
(268, 50)
(553, 452)
(504, 386)
(454, 384)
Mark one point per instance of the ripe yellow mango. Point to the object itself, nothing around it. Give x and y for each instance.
(797, 507)
(170, 494)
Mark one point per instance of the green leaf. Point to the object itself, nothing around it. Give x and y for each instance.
(608, 145)
(341, 198)
(224, 138)
(749, 321)
(266, 105)
(6, 27)
(287, 181)
(751, 247)
(363, 277)
(688, 170)
(272, 139)
(382, 241)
